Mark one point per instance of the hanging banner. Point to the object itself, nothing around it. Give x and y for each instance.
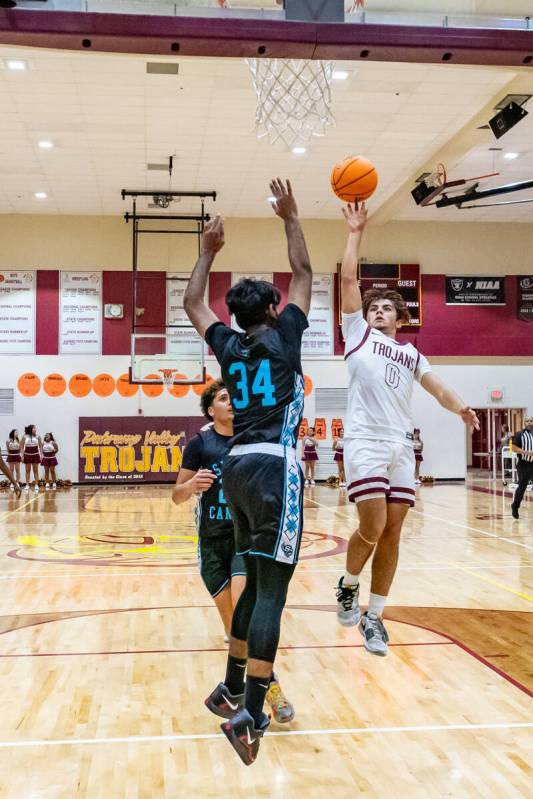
(525, 298)
(183, 339)
(146, 449)
(403, 278)
(268, 277)
(317, 340)
(17, 313)
(475, 290)
(80, 313)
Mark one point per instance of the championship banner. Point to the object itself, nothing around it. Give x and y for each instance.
(403, 278)
(475, 290)
(17, 313)
(317, 340)
(80, 313)
(525, 298)
(183, 339)
(146, 449)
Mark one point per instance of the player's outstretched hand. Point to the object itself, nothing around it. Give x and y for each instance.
(469, 417)
(202, 480)
(285, 204)
(213, 235)
(18, 490)
(355, 216)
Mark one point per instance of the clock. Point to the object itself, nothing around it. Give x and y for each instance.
(113, 311)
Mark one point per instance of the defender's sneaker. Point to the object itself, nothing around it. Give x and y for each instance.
(348, 610)
(243, 735)
(374, 634)
(222, 703)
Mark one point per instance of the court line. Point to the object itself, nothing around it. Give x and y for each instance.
(496, 583)
(437, 519)
(199, 651)
(7, 515)
(422, 728)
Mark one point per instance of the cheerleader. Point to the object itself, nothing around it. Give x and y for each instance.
(14, 457)
(309, 457)
(338, 449)
(49, 460)
(31, 447)
(418, 446)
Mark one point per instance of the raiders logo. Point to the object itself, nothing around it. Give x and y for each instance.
(457, 285)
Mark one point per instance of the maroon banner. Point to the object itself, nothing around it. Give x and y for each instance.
(146, 449)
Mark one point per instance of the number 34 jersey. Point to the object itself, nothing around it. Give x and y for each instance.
(263, 374)
(381, 374)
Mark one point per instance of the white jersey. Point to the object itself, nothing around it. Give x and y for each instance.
(381, 374)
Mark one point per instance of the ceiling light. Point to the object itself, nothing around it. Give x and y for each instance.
(511, 156)
(298, 150)
(46, 145)
(339, 74)
(16, 66)
(40, 195)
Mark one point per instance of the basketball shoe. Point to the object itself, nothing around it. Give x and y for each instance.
(282, 710)
(243, 735)
(374, 634)
(348, 610)
(222, 703)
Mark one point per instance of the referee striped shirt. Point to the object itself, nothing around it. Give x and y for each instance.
(524, 440)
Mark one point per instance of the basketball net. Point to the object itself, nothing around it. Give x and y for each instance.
(293, 98)
(168, 377)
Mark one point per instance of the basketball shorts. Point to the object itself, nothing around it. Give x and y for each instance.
(264, 493)
(380, 469)
(218, 563)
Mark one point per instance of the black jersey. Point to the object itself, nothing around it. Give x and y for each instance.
(263, 375)
(524, 440)
(207, 450)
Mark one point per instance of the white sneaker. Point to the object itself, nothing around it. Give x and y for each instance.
(342, 485)
(306, 484)
(47, 487)
(54, 485)
(417, 482)
(226, 639)
(374, 634)
(312, 482)
(36, 489)
(11, 487)
(348, 610)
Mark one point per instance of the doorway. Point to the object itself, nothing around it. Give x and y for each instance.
(486, 443)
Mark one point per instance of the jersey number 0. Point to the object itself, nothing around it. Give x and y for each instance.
(261, 385)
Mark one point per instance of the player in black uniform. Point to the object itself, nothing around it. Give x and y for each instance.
(223, 572)
(261, 477)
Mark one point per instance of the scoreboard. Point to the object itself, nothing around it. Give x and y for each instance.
(403, 278)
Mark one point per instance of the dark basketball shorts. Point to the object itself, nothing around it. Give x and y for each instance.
(264, 493)
(218, 562)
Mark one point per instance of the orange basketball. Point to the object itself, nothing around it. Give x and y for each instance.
(354, 179)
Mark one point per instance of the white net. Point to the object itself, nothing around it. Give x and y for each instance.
(168, 377)
(293, 98)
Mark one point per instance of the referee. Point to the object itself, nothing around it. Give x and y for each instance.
(523, 446)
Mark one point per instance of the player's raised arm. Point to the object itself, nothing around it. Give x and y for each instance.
(194, 304)
(302, 274)
(350, 294)
(446, 397)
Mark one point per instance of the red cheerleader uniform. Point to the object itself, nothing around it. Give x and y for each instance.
(31, 450)
(339, 450)
(310, 453)
(49, 454)
(13, 452)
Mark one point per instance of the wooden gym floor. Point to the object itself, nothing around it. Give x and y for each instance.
(110, 643)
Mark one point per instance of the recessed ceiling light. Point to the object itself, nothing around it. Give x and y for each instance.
(339, 74)
(16, 65)
(511, 156)
(40, 195)
(298, 150)
(46, 145)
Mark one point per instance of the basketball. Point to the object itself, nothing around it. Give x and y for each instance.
(354, 179)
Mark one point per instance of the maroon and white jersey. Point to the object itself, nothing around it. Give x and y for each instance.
(381, 374)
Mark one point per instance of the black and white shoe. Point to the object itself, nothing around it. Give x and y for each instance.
(222, 703)
(374, 634)
(243, 735)
(348, 610)
(514, 511)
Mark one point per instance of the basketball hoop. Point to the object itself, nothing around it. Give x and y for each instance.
(168, 377)
(293, 98)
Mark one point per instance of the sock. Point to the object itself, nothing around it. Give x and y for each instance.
(376, 604)
(350, 579)
(234, 681)
(273, 678)
(254, 697)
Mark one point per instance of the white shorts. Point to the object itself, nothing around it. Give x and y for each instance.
(379, 468)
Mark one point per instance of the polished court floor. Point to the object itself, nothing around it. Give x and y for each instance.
(110, 643)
